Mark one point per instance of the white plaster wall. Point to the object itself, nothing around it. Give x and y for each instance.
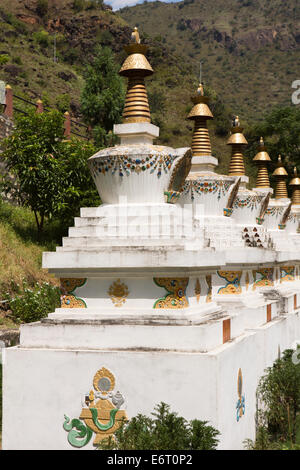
(41, 385)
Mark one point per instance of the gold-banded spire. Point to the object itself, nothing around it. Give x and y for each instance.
(295, 183)
(237, 142)
(200, 113)
(280, 174)
(262, 159)
(136, 67)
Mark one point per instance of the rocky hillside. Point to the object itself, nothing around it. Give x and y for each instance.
(250, 48)
(30, 28)
(27, 50)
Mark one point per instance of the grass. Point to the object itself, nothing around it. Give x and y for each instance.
(21, 252)
(0, 405)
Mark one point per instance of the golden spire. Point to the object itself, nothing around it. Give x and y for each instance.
(136, 67)
(295, 183)
(262, 159)
(280, 174)
(200, 113)
(237, 142)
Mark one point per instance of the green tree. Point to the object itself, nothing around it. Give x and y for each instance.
(102, 98)
(165, 431)
(281, 130)
(279, 395)
(45, 172)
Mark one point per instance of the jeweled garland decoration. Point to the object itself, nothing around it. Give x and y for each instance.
(176, 292)
(250, 201)
(274, 211)
(206, 187)
(125, 165)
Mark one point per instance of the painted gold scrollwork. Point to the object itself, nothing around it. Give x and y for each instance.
(233, 280)
(263, 277)
(176, 292)
(68, 299)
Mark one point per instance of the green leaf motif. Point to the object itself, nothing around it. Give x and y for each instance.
(77, 430)
(109, 425)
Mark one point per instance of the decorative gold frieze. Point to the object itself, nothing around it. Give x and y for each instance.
(176, 295)
(209, 288)
(118, 292)
(68, 298)
(197, 289)
(247, 280)
(240, 406)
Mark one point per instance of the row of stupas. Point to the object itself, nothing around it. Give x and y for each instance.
(136, 110)
(181, 287)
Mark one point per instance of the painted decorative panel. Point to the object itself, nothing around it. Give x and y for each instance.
(102, 414)
(68, 299)
(263, 277)
(176, 292)
(287, 273)
(233, 280)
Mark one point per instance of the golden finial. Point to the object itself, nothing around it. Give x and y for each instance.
(136, 67)
(135, 36)
(200, 90)
(237, 142)
(262, 158)
(236, 122)
(200, 113)
(280, 174)
(295, 183)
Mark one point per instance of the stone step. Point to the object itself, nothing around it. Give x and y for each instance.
(133, 230)
(85, 242)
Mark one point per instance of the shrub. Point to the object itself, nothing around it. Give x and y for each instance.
(42, 7)
(165, 431)
(63, 102)
(78, 5)
(4, 58)
(42, 37)
(34, 304)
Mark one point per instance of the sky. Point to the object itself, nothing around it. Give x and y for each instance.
(117, 4)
